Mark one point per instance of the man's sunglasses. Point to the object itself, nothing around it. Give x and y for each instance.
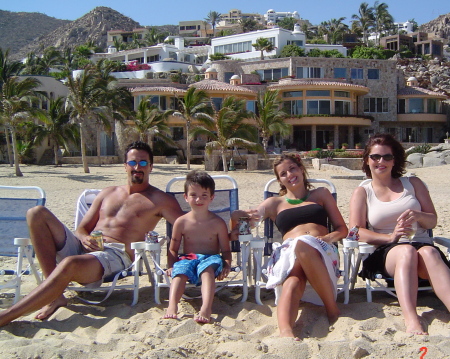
(133, 163)
(377, 157)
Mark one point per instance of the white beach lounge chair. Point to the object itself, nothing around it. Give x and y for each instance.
(224, 203)
(15, 201)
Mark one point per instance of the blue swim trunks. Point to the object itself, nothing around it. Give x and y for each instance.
(192, 265)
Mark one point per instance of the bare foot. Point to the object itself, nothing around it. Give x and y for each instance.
(49, 309)
(415, 326)
(170, 315)
(199, 318)
(288, 333)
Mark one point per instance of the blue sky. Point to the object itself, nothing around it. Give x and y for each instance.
(148, 12)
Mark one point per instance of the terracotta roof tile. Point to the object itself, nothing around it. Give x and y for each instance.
(157, 89)
(418, 91)
(215, 85)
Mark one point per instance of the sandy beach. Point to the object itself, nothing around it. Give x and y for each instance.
(114, 329)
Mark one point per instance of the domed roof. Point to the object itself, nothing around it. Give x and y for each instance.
(235, 77)
(412, 78)
(211, 70)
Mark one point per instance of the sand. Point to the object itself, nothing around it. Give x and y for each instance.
(114, 329)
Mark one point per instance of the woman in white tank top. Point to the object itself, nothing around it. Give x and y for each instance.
(386, 209)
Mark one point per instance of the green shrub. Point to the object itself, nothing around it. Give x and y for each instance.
(423, 148)
(348, 154)
(320, 153)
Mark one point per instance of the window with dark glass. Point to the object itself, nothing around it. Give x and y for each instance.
(356, 74)
(228, 76)
(432, 105)
(373, 74)
(342, 94)
(401, 104)
(340, 73)
(251, 106)
(342, 107)
(376, 104)
(217, 103)
(293, 94)
(317, 93)
(319, 107)
(294, 107)
(177, 133)
(416, 105)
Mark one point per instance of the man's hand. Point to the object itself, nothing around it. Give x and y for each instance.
(89, 244)
(225, 271)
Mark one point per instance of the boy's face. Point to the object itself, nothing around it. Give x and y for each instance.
(198, 197)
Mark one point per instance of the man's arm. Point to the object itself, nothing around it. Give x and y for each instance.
(171, 208)
(90, 220)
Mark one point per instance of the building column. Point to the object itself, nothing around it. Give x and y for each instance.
(126, 58)
(313, 136)
(336, 136)
(145, 56)
(351, 138)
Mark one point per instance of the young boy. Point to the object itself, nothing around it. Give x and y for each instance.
(204, 236)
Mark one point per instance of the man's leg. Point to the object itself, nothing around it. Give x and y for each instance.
(80, 268)
(48, 236)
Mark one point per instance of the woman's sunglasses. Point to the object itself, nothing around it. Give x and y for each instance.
(377, 157)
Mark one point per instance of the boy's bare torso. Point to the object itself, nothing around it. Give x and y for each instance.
(201, 237)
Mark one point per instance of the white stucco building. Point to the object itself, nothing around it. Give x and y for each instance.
(240, 47)
(272, 16)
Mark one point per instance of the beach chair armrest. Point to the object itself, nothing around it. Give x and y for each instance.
(442, 241)
(22, 241)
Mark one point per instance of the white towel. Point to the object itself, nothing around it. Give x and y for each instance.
(283, 258)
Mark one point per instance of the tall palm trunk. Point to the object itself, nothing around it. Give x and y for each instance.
(188, 147)
(83, 148)
(16, 155)
(224, 160)
(55, 153)
(8, 147)
(99, 145)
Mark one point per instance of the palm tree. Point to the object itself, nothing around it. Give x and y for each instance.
(263, 44)
(248, 24)
(227, 129)
(85, 99)
(365, 19)
(383, 20)
(213, 18)
(56, 126)
(16, 99)
(149, 120)
(269, 117)
(8, 69)
(193, 103)
(334, 29)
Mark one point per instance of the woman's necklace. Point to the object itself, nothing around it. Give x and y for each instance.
(296, 201)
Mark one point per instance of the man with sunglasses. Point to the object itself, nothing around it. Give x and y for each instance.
(124, 214)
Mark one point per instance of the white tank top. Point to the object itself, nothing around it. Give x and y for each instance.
(382, 216)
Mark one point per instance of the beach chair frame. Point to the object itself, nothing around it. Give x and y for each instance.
(224, 210)
(14, 234)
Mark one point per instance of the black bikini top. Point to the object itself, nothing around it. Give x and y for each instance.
(292, 217)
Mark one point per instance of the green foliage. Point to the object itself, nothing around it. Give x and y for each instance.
(348, 154)
(320, 153)
(317, 40)
(218, 57)
(325, 53)
(287, 23)
(362, 52)
(422, 148)
(292, 51)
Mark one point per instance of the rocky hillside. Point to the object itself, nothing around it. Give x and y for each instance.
(91, 27)
(439, 26)
(432, 75)
(18, 29)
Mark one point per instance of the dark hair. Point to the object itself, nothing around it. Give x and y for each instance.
(201, 178)
(139, 145)
(385, 139)
(294, 157)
